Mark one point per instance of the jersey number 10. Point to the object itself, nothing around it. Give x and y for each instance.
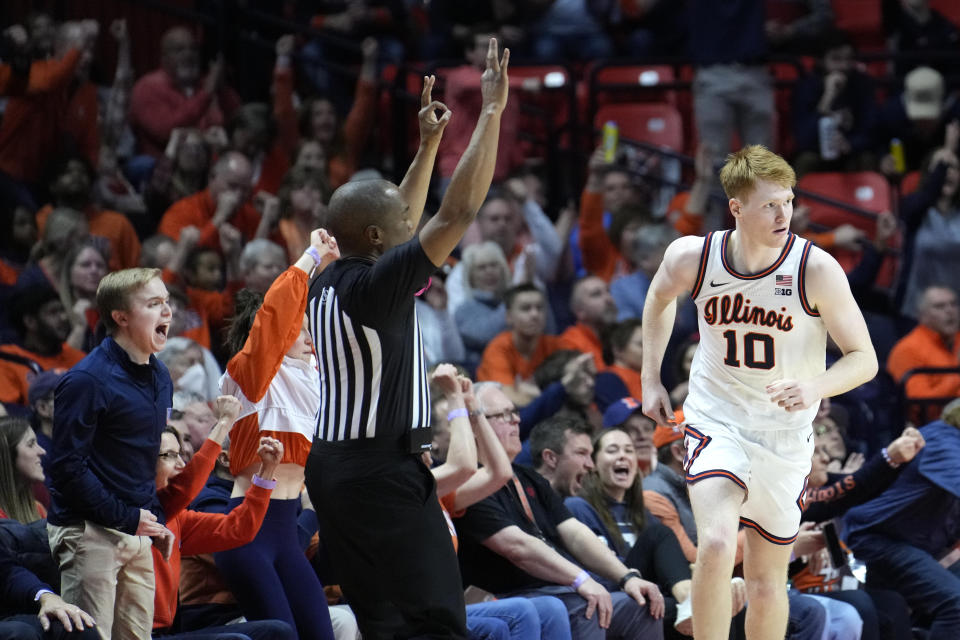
(750, 341)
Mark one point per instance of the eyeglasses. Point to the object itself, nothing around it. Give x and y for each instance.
(169, 455)
(506, 415)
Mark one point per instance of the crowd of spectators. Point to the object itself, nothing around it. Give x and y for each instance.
(215, 176)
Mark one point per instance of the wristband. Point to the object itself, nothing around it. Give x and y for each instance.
(313, 253)
(462, 412)
(886, 456)
(582, 577)
(263, 484)
(633, 573)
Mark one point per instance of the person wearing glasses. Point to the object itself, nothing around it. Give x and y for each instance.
(460, 483)
(522, 541)
(197, 532)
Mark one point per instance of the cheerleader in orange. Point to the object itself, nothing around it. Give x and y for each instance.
(273, 375)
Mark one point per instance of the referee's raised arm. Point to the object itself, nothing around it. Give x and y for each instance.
(471, 179)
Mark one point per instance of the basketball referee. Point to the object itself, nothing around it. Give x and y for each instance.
(376, 502)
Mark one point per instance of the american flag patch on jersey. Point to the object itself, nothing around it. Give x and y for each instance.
(784, 281)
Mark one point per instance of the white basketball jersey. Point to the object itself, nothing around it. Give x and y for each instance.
(754, 330)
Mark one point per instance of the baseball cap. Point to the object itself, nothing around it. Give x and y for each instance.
(618, 412)
(923, 94)
(663, 436)
(42, 384)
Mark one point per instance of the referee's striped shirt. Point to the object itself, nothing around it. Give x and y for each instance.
(373, 380)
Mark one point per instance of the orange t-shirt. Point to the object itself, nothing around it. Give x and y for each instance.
(501, 362)
(924, 347)
(44, 75)
(13, 375)
(584, 339)
(80, 122)
(115, 227)
(197, 210)
(667, 514)
(446, 505)
(600, 257)
(630, 378)
(30, 133)
(9, 273)
(685, 222)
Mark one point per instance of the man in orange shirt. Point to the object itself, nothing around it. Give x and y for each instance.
(935, 342)
(71, 187)
(512, 356)
(594, 308)
(42, 325)
(226, 199)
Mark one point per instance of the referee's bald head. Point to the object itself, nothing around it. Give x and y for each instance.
(363, 215)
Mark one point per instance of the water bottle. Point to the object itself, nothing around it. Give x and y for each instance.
(611, 135)
(896, 152)
(829, 126)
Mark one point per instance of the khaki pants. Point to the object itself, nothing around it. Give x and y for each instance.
(108, 574)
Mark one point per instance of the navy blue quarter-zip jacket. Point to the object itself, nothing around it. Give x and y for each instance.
(109, 413)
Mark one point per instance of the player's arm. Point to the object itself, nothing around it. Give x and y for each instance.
(828, 291)
(677, 274)
(471, 179)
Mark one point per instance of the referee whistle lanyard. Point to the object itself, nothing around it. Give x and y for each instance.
(424, 290)
(521, 494)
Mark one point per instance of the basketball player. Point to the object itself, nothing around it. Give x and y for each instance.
(766, 300)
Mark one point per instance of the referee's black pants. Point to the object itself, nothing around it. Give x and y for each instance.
(388, 541)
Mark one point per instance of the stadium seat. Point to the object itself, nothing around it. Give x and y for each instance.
(637, 83)
(537, 77)
(910, 183)
(949, 8)
(865, 190)
(654, 123)
(862, 19)
(545, 102)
